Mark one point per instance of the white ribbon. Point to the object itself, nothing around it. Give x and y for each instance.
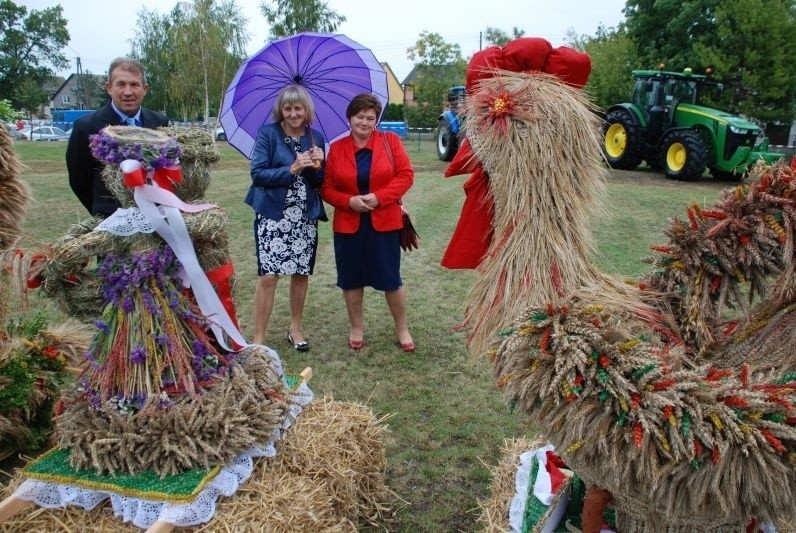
(168, 222)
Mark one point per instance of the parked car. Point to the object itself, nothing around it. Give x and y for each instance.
(219, 134)
(45, 133)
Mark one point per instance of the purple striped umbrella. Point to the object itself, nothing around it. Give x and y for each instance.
(332, 68)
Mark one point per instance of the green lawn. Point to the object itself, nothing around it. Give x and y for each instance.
(446, 414)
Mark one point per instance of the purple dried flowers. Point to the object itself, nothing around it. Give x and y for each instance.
(113, 152)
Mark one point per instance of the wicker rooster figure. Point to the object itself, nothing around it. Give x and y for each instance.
(686, 420)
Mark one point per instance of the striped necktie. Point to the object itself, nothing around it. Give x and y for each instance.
(131, 121)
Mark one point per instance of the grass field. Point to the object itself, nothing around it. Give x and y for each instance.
(447, 418)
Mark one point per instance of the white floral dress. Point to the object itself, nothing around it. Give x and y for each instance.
(287, 246)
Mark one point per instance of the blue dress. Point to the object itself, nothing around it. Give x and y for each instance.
(367, 258)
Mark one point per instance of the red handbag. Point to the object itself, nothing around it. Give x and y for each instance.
(408, 235)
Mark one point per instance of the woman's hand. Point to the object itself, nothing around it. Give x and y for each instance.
(316, 155)
(370, 200)
(358, 204)
(303, 160)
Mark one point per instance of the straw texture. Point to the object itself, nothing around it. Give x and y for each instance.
(633, 384)
(328, 476)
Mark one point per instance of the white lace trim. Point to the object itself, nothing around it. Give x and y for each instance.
(144, 513)
(125, 222)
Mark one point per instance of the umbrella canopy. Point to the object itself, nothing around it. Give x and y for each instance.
(332, 68)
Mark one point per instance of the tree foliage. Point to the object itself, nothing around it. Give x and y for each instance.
(439, 65)
(613, 57)
(289, 17)
(666, 31)
(750, 52)
(191, 55)
(7, 112)
(499, 37)
(31, 97)
(30, 43)
(747, 43)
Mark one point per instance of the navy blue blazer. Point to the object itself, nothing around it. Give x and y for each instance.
(271, 178)
(85, 172)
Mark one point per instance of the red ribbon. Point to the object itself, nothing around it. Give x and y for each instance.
(220, 278)
(135, 178)
(165, 177)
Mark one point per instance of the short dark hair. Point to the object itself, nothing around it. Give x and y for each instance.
(130, 65)
(363, 102)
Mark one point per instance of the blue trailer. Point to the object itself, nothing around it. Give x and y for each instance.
(65, 118)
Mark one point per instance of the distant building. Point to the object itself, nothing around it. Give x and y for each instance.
(394, 89)
(79, 92)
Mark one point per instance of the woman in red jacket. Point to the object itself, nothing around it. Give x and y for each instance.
(367, 173)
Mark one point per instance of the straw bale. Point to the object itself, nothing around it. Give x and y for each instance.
(334, 451)
(494, 517)
(342, 444)
(198, 152)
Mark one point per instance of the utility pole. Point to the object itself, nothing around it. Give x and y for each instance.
(480, 37)
(80, 94)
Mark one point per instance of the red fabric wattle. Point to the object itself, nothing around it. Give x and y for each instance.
(473, 233)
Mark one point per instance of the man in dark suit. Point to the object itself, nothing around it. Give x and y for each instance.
(127, 87)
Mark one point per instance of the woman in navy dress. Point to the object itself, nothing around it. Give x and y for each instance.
(367, 173)
(286, 173)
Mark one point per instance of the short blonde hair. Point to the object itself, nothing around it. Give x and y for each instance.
(292, 95)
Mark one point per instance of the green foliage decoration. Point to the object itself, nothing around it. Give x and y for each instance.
(31, 370)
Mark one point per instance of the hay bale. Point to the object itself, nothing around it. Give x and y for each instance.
(342, 444)
(328, 476)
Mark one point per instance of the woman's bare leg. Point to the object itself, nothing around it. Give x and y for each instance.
(396, 301)
(264, 291)
(354, 303)
(298, 295)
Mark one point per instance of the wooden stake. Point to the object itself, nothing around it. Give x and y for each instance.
(11, 506)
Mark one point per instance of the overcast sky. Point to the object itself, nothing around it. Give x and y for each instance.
(102, 30)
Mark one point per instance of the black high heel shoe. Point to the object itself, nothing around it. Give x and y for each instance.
(302, 346)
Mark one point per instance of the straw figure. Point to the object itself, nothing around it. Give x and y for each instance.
(684, 419)
(169, 412)
(161, 391)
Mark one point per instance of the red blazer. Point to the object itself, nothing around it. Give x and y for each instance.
(388, 181)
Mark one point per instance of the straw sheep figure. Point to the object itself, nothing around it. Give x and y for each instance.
(642, 388)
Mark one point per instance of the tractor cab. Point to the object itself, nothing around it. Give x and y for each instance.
(665, 125)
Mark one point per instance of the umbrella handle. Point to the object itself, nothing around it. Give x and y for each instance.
(315, 162)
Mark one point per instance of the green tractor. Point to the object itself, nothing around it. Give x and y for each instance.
(665, 126)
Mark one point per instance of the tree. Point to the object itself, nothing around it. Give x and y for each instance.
(31, 97)
(613, 57)
(289, 17)
(191, 55)
(747, 42)
(215, 35)
(29, 44)
(7, 112)
(498, 37)
(751, 53)
(665, 31)
(438, 66)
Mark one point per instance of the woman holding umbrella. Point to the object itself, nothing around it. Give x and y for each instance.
(367, 173)
(286, 175)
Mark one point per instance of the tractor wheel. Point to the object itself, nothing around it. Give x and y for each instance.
(621, 142)
(447, 143)
(684, 155)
